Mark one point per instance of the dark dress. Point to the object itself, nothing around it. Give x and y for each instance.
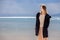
(45, 25)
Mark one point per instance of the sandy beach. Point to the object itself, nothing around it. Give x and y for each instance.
(53, 35)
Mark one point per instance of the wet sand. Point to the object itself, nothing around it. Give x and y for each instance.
(53, 35)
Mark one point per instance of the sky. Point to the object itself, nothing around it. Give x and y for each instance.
(27, 7)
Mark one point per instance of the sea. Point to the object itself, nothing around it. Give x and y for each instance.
(24, 29)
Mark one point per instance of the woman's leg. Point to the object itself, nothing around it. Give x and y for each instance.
(40, 36)
(45, 38)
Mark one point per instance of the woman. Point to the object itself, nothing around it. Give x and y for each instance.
(42, 23)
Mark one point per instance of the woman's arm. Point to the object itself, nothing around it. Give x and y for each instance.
(37, 25)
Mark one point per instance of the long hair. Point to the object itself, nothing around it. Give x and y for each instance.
(44, 8)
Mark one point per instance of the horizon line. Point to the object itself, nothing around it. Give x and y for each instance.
(18, 17)
(53, 18)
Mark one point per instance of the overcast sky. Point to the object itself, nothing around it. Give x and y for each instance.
(27, 7)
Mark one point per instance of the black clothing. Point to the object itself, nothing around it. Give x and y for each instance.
(45, 25)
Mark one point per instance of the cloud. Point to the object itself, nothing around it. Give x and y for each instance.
(53, 8)
(19, 8)
(14, 7)
(11, 7)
